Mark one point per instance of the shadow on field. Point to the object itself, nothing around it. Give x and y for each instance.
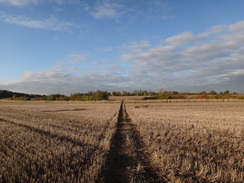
(127, 160)
(64, 110)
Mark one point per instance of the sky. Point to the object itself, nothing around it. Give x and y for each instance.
(71, 46)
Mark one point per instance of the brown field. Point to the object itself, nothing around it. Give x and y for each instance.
(194, 142)
(44, 142)
(128, 142)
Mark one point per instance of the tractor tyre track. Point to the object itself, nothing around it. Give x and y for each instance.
(128, 160)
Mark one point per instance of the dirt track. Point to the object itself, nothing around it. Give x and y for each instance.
(128, 160)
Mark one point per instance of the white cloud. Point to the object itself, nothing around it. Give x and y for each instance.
(133, 10)
(237, 27)
(107, 10)
(23, 3)
(19, 2)
(206, 51)
(226, 76)
(194, 59)
(51, 23)
(53, 81)
(217, 29)
(184, 38)
(211, 60)
(63, 2)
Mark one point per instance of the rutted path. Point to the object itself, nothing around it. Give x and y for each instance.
(128, 160)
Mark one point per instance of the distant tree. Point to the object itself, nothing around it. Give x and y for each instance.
(57, 97)
(76, 96)
(125, 93)
(203, 93)
(163, 94)
(226, 92)
(145, 93)
(100, 95)
(116, 93)
(160, 90)
(174, 93)
(22, 98)
(6, 94)
(138, 93)
(212, 92)
(14, 95)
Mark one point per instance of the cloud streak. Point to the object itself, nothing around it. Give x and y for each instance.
(23, 3)
(52, 23)
(20, 2)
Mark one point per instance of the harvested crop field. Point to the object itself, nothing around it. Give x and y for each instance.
(194, 142)
(121, 142)
(54, 142)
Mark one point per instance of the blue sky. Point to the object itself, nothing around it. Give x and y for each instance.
(68, 46)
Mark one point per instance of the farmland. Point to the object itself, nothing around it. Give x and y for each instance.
(54, 142)
(121, 142)
(194, 142)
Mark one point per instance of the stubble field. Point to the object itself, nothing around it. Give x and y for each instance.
(121, 142)
(194, 142)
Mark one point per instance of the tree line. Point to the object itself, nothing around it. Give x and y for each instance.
(98, 95)
(104, 95)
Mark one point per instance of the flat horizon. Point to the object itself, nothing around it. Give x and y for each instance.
(70, 46)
